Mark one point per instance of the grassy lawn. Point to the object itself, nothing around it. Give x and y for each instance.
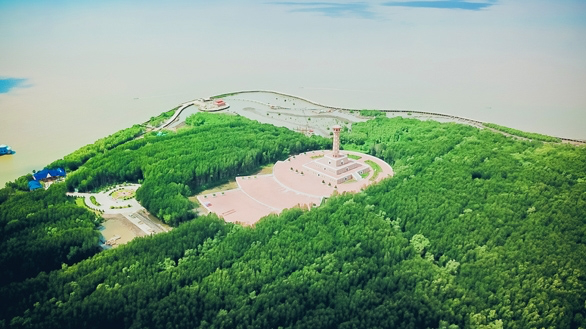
(94, 202)
(124, 194)
(375, 168)
(365, 174)
(355, 157)
(220, 188)
(317, 156)
(81, 203)
(266, 170)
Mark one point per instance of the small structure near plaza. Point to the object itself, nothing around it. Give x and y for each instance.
(211, 105)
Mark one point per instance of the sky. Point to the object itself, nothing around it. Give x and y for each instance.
(75, 71)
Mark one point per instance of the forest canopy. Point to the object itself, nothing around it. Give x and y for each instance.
(211, 149)
(476, 230)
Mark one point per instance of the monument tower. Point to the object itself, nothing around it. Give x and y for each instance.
(336, 150)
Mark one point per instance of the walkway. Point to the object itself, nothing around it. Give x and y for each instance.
(130, 208)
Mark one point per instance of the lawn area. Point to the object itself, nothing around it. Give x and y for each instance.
(123, 194)
(375, 168)
(81, 203)
(94, 202)
(266, 170)
(355, 157)
(220, 188)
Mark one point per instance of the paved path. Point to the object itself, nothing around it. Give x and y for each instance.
(106, 201)
(201, 104)
(130, 209)
(177, 113)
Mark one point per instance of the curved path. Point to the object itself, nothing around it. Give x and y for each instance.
(130, 208)
(176, 114)
(183, 106)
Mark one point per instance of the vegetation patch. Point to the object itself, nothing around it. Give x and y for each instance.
(372, 113)
(230, 185)
(223, 95)
(123, 194)
(74, 160)
(376, 169)
(355, 157)
(94, 201)
(524, 134)
(158, 120)
(265, 170)
(475, 230)
(80, 202)
(213, 148)
(121, 207)
(41, 231)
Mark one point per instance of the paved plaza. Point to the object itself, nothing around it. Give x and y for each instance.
(293, 183)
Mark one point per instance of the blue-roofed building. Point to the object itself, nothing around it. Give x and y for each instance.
(34, 185)
(49, 174)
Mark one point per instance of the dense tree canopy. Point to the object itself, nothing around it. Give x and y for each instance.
(476, 230)
(211, 149)
(76, 159)
(524, 134)
(41, 230)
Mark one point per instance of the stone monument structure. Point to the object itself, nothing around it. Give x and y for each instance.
(337, 167)
(336, 147)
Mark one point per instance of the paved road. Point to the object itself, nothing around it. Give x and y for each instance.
(106, 201)
(130, 209)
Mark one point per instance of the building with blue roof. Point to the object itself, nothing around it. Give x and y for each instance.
(49, 174)
(34, 185)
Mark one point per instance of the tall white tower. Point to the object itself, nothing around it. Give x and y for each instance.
(336, 130)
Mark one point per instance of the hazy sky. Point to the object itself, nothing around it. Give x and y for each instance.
(73, 71)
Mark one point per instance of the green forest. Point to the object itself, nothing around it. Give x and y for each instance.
(211, 150)
(475, 230)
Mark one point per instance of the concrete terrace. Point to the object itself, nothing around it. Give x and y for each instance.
(261, 195)
(266, 190)
(235, 206)
(310, 183)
